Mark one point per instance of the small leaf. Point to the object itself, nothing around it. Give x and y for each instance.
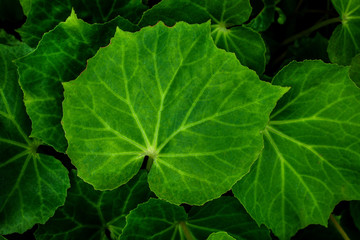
(220, 236)
(355, 70)
(311, 158)
(32, 185)
(26, 5)
(44, 15)
(265, 18)
(61, 56)
(226, 17)
(157, 219)
(87, 213)
(344, 43)
(171, 95)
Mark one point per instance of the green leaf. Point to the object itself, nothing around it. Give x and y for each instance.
(32, 185)
(355, 212)
(87, 213)
(311, 158)
(150, 94)
(26, 5)
(8, 39)
(310, 48)
(62, 55)
(226, 17)
(355, 70)
(220, 236)
(45, 15)
(344, 43)
(265, 18)
(157, 219)
(2, 238)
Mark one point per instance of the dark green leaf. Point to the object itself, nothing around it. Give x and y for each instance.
(87, 213)
(60, 57)
(355, 212)
(344, 43)
(8, 39)
(355, 70)
(265, 18)
(32, 185)
(226, 17)
(170, 94)
(45, 15)
(311, 158)
(157, 219)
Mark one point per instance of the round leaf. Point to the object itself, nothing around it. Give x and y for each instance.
(171, 95)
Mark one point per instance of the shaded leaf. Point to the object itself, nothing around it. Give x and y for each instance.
(220, 236)
(32, 185)
(355, 212)
(311, 158)
(157, 219)
(8, 39)
(355, 70)
(344, 43)
(44, 15)
(87, 213)
(171, 95)
(60, 57)
(226, 17)
(26, 6)
(265, 18)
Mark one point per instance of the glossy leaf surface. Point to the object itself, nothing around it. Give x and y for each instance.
(60, 57)
(88, 213)
(311, 158)
(224, 15)
(170, 94)
(344, 43)
(157, 219)
(32, 185)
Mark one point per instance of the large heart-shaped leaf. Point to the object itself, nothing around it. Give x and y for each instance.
(171, 95)
(226, 17)
(311, 158)
(32, 185)
(43, 15)
(157, 219)
(60, 56)
(88, 214)
(344, 43)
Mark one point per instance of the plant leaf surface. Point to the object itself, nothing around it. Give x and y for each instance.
(355, 70)
(170, 94)
(344, 43)
(87, 212)
(44, 15)
(224, 15)
(265, 18)
(61, 56)
(311, 158)
(355, 212)
(32, 185)
(157, 219)
(220, 236)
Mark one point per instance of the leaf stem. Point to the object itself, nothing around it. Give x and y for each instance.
(311, 29)
(149, 163)
(339, 228)
(186, 230)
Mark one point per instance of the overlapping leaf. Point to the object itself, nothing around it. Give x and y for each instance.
(344, 43)
(44, 15)
(265, 18)
(87, 213)
(226, 17)
(311, 158)
(60, 56)
(171, 95)
(32, 185)
(157, 219)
